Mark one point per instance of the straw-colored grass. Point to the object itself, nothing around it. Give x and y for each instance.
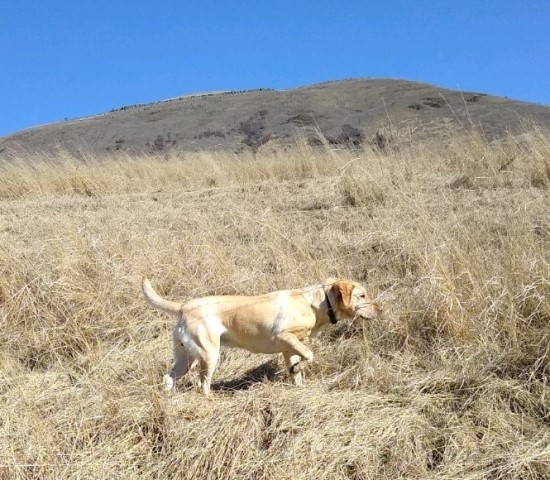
(453, 382)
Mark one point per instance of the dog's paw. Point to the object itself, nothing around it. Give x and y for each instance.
(298, 379)
(296, 368)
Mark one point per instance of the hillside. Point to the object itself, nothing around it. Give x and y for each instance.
(345, 112)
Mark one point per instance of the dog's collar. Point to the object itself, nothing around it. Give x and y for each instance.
(330, 311)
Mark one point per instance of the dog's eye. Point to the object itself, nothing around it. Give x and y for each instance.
(362, 295)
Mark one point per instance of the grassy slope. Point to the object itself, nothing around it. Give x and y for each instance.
(452, 383)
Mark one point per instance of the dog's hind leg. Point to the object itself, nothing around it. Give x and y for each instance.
(208, 360)
(183, 362)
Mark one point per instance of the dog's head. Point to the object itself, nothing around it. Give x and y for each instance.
(350, 299)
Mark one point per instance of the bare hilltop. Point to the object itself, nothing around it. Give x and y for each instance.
(346, 112)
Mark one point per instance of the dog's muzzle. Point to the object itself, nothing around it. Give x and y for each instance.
(370, 312)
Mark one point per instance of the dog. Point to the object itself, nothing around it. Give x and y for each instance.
(276, 322)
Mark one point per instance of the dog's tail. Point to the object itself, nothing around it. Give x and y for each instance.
(157, 301)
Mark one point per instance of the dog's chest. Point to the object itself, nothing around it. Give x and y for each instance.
(317, 330)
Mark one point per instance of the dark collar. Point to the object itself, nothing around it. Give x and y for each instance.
(330, 311)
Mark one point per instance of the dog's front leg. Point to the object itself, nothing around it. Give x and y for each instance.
(294, 365)
(290, 343)
(294, 353)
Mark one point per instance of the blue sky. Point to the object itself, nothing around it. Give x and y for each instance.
(69, 59)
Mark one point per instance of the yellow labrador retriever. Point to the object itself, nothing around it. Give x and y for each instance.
(271, 323)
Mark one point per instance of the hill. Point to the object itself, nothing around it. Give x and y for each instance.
(344, 112)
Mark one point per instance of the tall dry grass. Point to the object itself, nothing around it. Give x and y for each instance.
(452, 383)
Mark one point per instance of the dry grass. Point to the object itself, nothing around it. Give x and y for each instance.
(452, 383)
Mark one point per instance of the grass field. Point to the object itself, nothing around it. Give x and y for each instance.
(453, 381)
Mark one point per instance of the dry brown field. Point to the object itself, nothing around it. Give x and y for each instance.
(453, 381)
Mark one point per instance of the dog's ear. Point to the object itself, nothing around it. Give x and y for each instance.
(340, 294)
